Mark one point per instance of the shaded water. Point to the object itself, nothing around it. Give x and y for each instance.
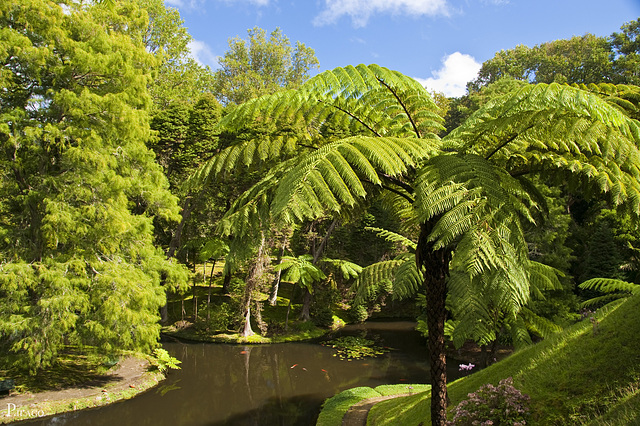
(280, 384)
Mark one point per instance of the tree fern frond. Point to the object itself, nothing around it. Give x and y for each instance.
(371, 275)
(349, 270)
(602, 300)
(393, 237)
(407, 281)
(544, 277)
(519, 333)
(610, 285)
(334, 166)
(539, 325)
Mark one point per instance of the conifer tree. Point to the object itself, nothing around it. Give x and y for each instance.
(79, 188)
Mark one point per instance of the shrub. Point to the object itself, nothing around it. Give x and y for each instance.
(493, 405)
(358, 313)
(221, 317)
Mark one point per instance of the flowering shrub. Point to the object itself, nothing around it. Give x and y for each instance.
(466, 367)
(493, 405)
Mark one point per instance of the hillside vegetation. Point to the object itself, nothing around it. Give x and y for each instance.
(588, 374)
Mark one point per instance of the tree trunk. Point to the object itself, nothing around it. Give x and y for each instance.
(247, 324)
(258, 316)
(305, 315)
(254, 277)
(213, 266)
(435, 264)
(273, 295)
(225, 283)
(187, 208)
(164, 313)
(484, 356)
(195, 302)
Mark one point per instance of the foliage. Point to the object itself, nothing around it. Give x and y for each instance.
(493, 405)
(222, 318)
(261, 67)
(626, 46)
(324, 299)
(613, 289)
(79, 189)
(178, 77)
(185, 136)
(163, 361)
(581, 59)
(358, 313)
(352, 347)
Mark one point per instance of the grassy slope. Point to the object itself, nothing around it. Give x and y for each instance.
(575, 377)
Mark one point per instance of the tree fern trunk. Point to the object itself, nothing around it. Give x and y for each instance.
(435, 264)
(305, 314)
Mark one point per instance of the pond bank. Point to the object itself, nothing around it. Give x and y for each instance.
(130, 377)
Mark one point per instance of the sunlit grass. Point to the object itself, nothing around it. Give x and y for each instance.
(334, 408)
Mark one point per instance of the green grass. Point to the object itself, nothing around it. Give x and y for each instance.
(385, 390)
(576, 377)
(334, 408)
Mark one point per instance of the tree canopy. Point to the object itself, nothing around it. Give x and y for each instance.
(581, 59)
(80, 189)
(261, 66)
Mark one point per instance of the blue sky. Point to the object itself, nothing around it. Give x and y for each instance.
(442, 43)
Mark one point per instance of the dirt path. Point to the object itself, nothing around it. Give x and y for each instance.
(130, 377)
(357, 414)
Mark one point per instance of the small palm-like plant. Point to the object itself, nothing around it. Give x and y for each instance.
(300, 271)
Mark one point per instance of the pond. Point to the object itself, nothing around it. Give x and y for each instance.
(280, 384)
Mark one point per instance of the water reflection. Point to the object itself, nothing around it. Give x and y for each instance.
(282, 384)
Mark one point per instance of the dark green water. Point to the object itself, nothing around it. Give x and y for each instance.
(281, 384)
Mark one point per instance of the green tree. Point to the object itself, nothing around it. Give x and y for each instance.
(471, 191)
(626, 46)
(585, 59)
(178, 77)
(261, 66)
(80, 190)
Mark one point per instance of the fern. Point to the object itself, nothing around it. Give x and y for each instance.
(393, 237)
(614, 289)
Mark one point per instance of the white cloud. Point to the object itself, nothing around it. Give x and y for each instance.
(361, 10)
(202, 54)
(457, 70)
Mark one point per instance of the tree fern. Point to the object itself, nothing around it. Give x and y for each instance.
(470, 192)
(613, 289)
